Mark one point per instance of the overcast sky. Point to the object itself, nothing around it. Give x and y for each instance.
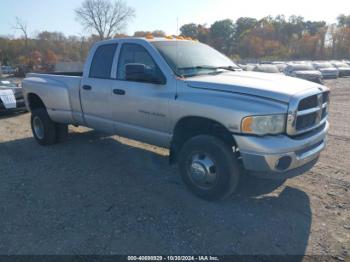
(58, 15)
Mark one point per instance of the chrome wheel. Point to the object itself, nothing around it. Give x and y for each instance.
(38, 127)
(202, 170)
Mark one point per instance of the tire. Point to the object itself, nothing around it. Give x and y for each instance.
(209, 167)
(43, 128)
(61, 132)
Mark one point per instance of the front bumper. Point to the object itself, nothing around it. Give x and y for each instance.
(281, 157)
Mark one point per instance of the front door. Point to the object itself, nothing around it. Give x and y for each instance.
(141, 108)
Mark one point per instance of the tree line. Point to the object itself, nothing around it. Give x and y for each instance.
(277, 38)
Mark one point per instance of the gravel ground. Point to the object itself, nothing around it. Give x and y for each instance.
(97, 194)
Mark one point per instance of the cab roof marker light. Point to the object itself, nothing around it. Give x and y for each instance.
(149, 36)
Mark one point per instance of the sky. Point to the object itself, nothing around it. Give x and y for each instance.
(58, 15)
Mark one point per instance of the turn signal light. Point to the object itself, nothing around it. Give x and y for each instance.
(247, 124)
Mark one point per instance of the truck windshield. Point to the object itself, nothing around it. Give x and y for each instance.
(188, 58)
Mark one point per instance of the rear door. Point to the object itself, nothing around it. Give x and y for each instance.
(96, 89)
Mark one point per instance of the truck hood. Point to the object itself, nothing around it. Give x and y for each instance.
(271, 86)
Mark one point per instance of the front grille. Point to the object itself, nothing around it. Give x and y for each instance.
(310, 113)
(306, 121)
(307, 103)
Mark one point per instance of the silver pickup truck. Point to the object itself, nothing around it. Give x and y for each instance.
(218, 121)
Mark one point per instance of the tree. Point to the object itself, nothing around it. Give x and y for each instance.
(22, 26)
(189, 30)
(155, 33)
(222, 35)
(200, 32)
(158, 33)
(141, 33)
(343, 20)
(243, 24)
(105, 17)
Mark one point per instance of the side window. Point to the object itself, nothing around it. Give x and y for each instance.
(136, 54)
(102, 61)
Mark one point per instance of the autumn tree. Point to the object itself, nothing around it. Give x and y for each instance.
(104, 17)
(199, 32)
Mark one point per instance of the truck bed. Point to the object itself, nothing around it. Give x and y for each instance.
(59, 92)
(65, 73)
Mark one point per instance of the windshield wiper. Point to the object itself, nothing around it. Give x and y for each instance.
(229, 68)
(197, 67)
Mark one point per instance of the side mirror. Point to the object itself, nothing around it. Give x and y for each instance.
(139, 73)
(135, 72)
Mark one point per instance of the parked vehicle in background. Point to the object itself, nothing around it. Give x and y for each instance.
(280, 65)
(304, 71)
(11, 96)
(267, 68)
(8, 70)
(188, 97)
(247, 67)
(327, 69)
(343, 68)
(346, 62)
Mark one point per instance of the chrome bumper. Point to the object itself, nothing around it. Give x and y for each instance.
(281, 156)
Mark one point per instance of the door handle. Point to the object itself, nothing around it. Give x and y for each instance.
(86, 87)
(119, 92)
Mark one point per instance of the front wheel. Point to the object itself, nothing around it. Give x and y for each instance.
(209, 167)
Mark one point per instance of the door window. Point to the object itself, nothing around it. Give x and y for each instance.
(136, 54)
(101, 65)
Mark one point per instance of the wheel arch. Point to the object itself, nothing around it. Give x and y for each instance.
(35, 102)
(191, 126)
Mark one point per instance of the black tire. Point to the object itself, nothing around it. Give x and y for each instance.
(47, 134)
(226, 168)
(61, 132)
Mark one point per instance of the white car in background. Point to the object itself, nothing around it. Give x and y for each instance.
(327, 69)
(304, 71)
(11, 96)
(344, 68)
(267, 68)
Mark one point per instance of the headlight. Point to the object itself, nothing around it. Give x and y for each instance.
(264, 125)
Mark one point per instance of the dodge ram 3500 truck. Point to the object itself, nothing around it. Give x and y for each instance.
(219, 122)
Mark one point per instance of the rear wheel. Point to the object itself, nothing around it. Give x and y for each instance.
(209, 167)
(43, 128)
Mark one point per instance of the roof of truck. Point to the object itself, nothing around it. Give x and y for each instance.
(152, 39)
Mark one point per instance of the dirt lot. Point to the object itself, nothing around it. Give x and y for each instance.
(97, 194)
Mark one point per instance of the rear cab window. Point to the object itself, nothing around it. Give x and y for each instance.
(101, 65)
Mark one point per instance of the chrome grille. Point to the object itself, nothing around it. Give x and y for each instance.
(308, 112)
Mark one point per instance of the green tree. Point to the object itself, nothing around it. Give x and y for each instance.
(343, 20)
(222, 36)
(190, 30)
